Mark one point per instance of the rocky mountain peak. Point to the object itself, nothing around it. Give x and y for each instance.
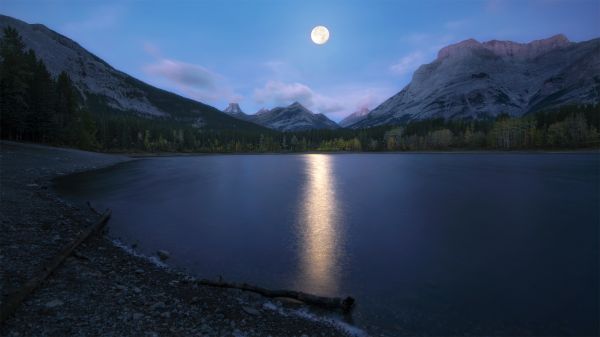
(474, 79)
(457, 48)
(294, 117)
(526, 50)
(233, 108)
(296, 104)
(504, 48)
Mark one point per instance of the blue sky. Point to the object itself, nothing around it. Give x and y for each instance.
(259, 53)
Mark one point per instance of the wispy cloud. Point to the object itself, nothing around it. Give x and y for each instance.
(193, 80)
(424, 48)
(280, 93)
(408, 63)
(337, 103)
(183, 74)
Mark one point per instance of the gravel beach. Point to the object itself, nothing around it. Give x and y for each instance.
(102, 289)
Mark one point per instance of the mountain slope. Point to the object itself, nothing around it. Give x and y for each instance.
(294, 117)
(474, 80)
(354, 117)
(105, 89)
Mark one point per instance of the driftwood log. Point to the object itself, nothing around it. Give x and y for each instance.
(14, 300)
(334, 303)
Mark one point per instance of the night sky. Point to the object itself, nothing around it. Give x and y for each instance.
(259, 53)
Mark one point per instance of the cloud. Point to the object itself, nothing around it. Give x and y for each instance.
(183, 74)
(424, 47)
(408, 63)
(337, 103)
(193, 80)
(356, 98)
(279, 93)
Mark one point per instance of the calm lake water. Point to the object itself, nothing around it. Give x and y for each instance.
(429, 244)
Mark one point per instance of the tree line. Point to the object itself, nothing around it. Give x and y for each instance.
(37, 107)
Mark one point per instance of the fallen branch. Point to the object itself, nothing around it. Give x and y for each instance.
(13, 301)
(89, 204)
(345, 305)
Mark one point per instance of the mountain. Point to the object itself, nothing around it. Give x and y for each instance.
(107, 90)
(262, 111)
(471, 79)
(354, 117)
(294, 117)
(234, 110)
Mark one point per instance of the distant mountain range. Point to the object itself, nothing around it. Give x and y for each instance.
(105, 89)
(475, 80)
(294, 117)
(469, 79)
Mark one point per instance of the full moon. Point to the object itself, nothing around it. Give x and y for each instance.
(320, 35)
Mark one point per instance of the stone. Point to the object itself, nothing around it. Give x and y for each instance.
(54, 304)
(158, 306)
(163, 254)
(251, 311)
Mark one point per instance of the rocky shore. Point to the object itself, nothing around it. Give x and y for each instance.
(102, 289)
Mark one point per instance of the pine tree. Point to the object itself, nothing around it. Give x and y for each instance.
(13, 84)
(66, 107)
(41, 120)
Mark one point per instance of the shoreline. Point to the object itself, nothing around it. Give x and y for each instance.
(199, 154)
(130, 295)
(135, 155)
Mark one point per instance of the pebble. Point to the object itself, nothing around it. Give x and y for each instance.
(251, 311)
(54, 304)
(158, 306)
(119, 288)
(163, 254)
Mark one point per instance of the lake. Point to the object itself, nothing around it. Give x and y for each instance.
(428, 244)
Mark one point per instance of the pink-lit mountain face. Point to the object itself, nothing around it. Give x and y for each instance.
(471, 79)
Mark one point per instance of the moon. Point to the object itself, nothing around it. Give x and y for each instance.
(320, 35)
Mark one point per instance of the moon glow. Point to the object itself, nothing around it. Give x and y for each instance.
(320, 35)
